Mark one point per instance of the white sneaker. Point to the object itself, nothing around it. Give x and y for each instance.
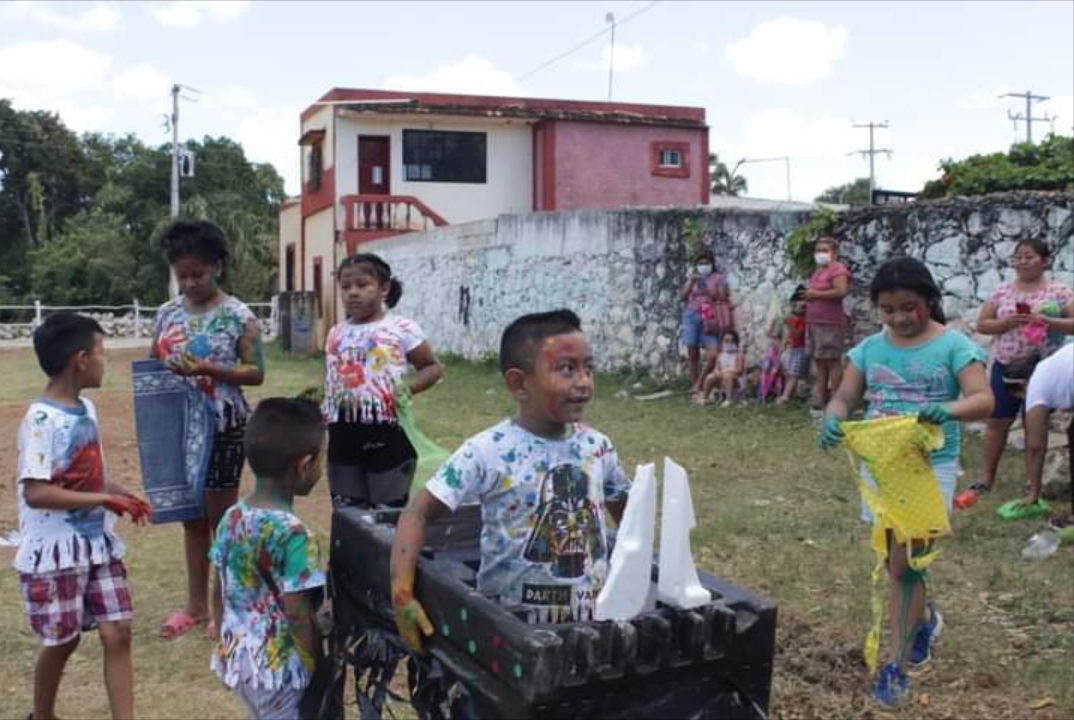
(725, 403)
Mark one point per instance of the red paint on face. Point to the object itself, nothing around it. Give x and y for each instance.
(922, 313)
(562, 381)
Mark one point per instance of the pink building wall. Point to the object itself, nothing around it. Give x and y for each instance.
(606, 166)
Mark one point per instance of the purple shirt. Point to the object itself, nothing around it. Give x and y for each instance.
(715, 284)
(826, 312)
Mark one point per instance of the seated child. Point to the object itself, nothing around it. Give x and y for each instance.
(729, 371)
(269, 566)
(545, 481)
(69, 557)
(795, 355)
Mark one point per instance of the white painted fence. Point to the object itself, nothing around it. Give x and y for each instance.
(134, 320)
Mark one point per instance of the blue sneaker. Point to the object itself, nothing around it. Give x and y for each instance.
(890, 686)
(926, 637)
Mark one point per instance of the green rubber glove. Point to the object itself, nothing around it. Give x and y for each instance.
(935, 414)
(830, 432)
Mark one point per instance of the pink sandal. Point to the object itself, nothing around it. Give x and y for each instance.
(179, 623)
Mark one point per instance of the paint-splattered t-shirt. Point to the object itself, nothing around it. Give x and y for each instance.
(903, 380)
(61, 445)
(262, 554)
(214, 336)
(1049, 300)
(543, 545)
(362, 363)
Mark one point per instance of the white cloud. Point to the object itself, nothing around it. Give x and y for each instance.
(191, 13)
(1060, 107)
(473, 74)
(628, 58)
(142, 82)
(229, 97)
(77, 116)
(55, 66)
(984, 99)
(269, 135)
(788, 51)
(817, 146)
(99, 17)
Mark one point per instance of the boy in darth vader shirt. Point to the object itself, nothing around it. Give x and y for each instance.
(545, 481)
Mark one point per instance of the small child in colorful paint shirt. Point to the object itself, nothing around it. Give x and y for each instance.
(269, 565)
(545, 481)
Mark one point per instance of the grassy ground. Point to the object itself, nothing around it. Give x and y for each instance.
(774, 515)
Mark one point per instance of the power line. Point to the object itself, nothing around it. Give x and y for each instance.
(586, 42)
(1028, 117)
(872, 153)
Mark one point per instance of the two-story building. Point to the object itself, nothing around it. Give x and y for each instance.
(377, 163)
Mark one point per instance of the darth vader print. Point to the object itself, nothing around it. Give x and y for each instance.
(568, 532)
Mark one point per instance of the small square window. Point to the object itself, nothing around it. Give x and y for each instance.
(670, 158)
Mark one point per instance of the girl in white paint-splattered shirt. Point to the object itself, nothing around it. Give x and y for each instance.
(370, 460)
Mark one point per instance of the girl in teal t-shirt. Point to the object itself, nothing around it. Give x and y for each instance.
(915, 366)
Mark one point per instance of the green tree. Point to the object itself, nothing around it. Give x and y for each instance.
(1048, 165)
(44, 182)
(89, 261)
(851, 193)
(725, 182)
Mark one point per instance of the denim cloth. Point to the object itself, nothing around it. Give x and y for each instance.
(175, 423)
(693, 333)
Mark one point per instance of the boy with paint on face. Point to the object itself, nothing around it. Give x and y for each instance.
(545, 481)
(70, 559)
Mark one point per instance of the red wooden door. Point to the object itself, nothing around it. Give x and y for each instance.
(374, 177)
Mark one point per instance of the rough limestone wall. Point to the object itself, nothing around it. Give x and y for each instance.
(622, 270)
(967, 244)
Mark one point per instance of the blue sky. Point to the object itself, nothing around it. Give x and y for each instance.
(775, 78)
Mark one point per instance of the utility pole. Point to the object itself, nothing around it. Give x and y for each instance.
(1028, 117)
(610, 18)
(173, 121)
(872, 152)
(175, 150)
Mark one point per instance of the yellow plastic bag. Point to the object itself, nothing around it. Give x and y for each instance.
(907, 498)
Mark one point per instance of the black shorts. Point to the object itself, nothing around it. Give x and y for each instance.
(229, 454)
(369, 464)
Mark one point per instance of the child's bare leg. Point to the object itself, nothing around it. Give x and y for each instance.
(118, 668)
(216, 504)
(729, 380)
(708, 383)
(790, 387)
(47, 673)
(196, 542)
(907, 604)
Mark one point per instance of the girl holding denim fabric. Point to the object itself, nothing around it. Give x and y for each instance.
(211, 338)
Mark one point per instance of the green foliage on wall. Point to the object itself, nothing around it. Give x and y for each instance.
(800, 241)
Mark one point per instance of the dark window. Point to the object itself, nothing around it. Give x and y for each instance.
(437, 156)
(318, 284)
(289, 268)
(671, 158)
(316, 167)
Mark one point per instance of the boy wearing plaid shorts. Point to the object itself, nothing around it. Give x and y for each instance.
(69, 565)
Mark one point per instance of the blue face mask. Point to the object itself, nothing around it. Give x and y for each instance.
(730, 347)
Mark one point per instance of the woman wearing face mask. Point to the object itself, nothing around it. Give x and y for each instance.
(826, 323)
(701, 293)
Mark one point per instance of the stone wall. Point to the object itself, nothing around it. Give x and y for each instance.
(622, 270)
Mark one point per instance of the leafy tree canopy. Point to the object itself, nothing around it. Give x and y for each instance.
(1048, 165)
(80, 216)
